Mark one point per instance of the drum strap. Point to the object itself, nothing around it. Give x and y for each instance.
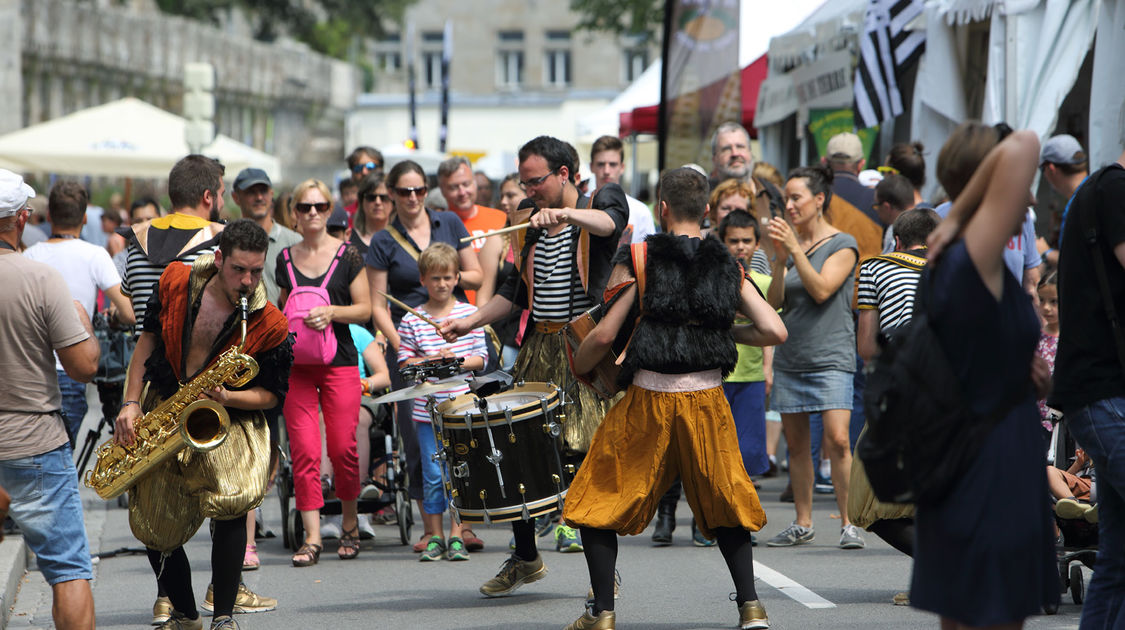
(639, 252)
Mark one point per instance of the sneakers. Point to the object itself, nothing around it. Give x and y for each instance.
(752, 616)
(544, 524)
(1073, 509)
(161, 610)
(616, 589)
(604, 620)
(370, 491)
(245, 601)
(331, 526)
(456, 550)
(177, 621)
(513, 574)
(697, 537)
(567, 540)
(385, 516)
(792, 536)
(224, 623)
(850, 538)
(250, 561)
(435, 549)
(366, 531)
(824, 487)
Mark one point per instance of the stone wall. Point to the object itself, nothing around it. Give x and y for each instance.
(281, 98)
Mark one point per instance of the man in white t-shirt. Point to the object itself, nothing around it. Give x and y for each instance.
(87, 269)
(607, 160)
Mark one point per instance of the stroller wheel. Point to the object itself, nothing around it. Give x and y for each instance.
(1077, 585)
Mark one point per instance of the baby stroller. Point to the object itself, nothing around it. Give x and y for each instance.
(1079, 538)
(392, 483)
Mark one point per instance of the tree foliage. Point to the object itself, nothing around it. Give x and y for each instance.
(638, 18)
(327, 26)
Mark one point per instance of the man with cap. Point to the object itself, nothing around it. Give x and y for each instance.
(1065, 166)
(844, 155)
(36, 463)
(253, 194)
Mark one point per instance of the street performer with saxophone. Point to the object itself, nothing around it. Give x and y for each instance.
(194, 317)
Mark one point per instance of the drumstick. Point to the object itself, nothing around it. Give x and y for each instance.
(417, 314)
(511, 228)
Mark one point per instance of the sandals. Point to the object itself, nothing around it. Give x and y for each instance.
(311, 554)
(349, 543)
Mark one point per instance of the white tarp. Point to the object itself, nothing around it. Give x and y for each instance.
(939, 98)
(1107, 90)
(125, 138)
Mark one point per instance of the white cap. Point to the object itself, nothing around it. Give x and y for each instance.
(14, 194)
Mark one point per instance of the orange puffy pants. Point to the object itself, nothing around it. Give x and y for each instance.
(648, 439)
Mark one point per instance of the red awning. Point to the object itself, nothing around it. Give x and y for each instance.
(645, 119)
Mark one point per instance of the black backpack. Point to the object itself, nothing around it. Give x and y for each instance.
(922, 436)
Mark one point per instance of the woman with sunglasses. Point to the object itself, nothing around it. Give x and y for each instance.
(373, 212)
(320, 260)
(392, 268)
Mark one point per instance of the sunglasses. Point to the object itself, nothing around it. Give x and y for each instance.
(305, 208)
(403, 191)
(535, 181)
(372, 197)
(358, 168)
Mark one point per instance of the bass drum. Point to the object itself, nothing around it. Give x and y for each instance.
(505, 461)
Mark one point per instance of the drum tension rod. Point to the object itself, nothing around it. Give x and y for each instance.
(511, 431)
(495, 456)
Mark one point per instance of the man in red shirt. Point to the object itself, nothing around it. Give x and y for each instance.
(459, 187)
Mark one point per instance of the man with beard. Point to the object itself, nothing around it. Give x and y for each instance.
(564, 265)
(195, 187)
(253, 193)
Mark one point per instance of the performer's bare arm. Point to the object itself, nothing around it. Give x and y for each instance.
(493, 310)
(253, 399)
(766, 329)
(596, 222)
(134, 383)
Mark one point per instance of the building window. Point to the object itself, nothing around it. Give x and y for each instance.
(431, 59)
(388, 53)
(556, 60)
(509, 59)
(635, 61)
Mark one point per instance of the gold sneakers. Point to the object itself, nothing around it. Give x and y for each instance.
(246, 601)
(177, 621)
(513, 574)
(752, 616)
(161, 610)
(605, 620)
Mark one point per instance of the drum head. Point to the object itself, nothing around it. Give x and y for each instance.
(520, 400)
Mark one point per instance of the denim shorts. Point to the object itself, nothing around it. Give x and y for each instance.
(46, 506)
(806, 392)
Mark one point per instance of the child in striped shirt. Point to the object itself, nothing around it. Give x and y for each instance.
(439, 265)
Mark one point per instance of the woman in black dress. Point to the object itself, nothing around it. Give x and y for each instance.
(984, 553)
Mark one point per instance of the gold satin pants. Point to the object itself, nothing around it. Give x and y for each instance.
(168, 505)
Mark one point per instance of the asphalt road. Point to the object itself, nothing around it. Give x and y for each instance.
(672, 588)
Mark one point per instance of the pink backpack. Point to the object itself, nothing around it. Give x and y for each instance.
(312, 347)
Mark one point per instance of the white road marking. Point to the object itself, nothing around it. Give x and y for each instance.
(790, 588)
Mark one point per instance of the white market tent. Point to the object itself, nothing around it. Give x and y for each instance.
(758, 23)
(125, 138)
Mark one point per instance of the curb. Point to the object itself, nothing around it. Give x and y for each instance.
(13, 563)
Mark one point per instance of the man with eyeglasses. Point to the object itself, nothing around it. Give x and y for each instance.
(253, 194)
(362, 161)
(564, 265)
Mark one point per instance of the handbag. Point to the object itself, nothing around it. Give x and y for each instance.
(922, 433)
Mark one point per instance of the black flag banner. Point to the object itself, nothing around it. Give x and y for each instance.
(886, 50)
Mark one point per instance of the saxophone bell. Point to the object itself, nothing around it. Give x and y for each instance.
(204, 425)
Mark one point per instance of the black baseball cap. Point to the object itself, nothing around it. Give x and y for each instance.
(248, 177)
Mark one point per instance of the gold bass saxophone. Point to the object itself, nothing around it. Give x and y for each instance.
(181, 420)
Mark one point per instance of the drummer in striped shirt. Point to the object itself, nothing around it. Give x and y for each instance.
(419, 341)
(887, 282)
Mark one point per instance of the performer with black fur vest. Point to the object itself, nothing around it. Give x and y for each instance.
(673, 420)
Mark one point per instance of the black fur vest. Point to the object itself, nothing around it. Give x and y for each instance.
(691, 295)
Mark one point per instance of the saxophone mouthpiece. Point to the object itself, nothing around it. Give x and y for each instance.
(244, 307)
